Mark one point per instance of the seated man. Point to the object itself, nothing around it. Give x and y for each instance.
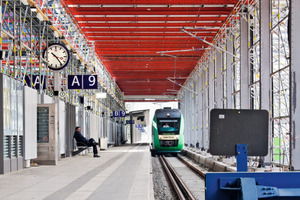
(80, 139)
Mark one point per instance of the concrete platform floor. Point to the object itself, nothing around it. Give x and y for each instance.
(122, 172)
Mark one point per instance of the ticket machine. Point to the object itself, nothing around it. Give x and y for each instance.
(47, 138)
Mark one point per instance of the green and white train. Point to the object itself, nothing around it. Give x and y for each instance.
(167, 131)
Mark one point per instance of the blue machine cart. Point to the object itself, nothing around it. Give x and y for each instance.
(251, 186)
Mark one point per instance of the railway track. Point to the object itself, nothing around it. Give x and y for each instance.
(187, 180)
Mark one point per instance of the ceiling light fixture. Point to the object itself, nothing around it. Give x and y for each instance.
(33, 9)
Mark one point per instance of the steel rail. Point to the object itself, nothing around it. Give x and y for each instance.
(181, 189)
(172, 180)
(197, 171)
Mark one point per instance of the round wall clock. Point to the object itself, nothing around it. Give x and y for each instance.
(57, 56)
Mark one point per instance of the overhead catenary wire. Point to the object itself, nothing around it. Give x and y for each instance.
(210, 44)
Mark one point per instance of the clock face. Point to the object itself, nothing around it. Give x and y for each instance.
(57, 56)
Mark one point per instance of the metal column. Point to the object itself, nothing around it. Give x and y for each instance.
(265, 61)
(70, 128)
(206, 109)
(218, 82)
(200, 110)
(245, 93)
(211, 75)
(229, 60)
(195, 117)
(295, 92)
(193, 114)
(188, 98)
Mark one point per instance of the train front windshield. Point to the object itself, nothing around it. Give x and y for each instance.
(168, 126)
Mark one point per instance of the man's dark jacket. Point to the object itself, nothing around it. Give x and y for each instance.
(91, 142)
(80, 139)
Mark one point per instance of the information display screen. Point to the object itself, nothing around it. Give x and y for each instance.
(42, 125)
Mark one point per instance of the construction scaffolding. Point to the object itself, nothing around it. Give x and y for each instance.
(281, 85)
(28, 28)
(241, 76)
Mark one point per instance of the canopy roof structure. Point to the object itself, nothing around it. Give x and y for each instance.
(150, 46)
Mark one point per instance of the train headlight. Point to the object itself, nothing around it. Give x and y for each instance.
(168, 114)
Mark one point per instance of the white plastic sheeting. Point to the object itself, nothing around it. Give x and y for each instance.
(30, 120)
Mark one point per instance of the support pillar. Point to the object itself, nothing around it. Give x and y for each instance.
(188, 98)
(218, 87)
(193, 112)
(265, 63)
(205, 106)
(200, 110)
(295, 90)
(57, 83)
(245, 92)
(211, 75)
(229, 74)
(209, 100)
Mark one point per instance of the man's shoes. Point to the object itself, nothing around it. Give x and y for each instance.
(96, 156)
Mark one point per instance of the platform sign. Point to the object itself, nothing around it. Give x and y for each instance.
(129, 121)
(122, 113)
(119, 113)
(74, 82)
(139, 126)
(35, 82)
(115, 113)
(82, 82)
(90, 82)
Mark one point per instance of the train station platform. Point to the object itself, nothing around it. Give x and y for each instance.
(122, 172)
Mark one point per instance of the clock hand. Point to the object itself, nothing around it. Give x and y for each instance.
(56, 57)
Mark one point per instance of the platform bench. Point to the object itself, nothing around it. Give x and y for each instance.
(78, 147)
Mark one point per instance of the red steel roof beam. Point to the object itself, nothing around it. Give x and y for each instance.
(151, 10)
(144, 93)
(145, 19)
(157, 49)
(146, 83)
(152, 66)
(165, 100)
(150, 2)
(156, 39)
(163, 46)
(156, 87)
(173, 24)
(137, 29)
(147, 34)
(162, 90)
(147, 59)
(119, 41)
(143, 87)
(150, 76)
(170, 69)
(149, 53)
(162, 61)
(134, 12)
